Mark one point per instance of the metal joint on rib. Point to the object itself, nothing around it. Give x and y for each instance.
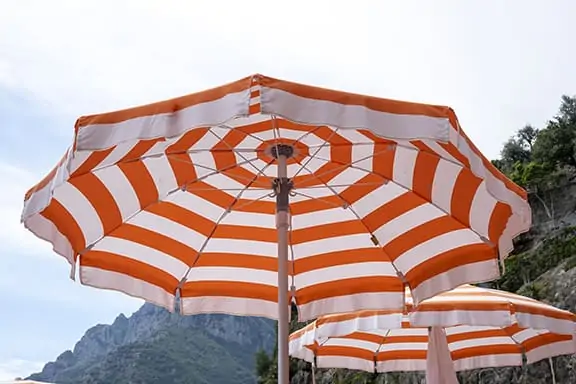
(292, 292)
(501, 264)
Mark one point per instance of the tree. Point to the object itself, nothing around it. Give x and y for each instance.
(555, 146)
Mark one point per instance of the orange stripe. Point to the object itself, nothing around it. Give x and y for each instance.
(480, 306)
(157, 241)
(476, 335)
(449, 260)
(424, 174)
(187, 141)
(331, 259)
(332, 350)
(343, 287)
(346, 98)
(495, 171)
(548, 312)
(362, 188)
(455, 153)
(167, 106)
(545, 339)
(314, 205)
(369, 337)
(140, 149)
(182, 167)
(182, 216)
(66, 224)
(129, 267)
(415, 354)
(391, 210)
(383, 159)
(327, 231)
(485, 350)
(227, 201)
(421, 234)
(101, 199)
(463, 193)
(229, 289)
(92, 162)
(141, 181)
(498, 221)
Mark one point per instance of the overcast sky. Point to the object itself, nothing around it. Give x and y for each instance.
(500, 64)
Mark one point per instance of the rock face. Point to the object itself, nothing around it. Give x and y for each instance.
(155, 346)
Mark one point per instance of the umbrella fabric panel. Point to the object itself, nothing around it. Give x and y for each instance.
(466, 304)
(406, 349)
(175, 197)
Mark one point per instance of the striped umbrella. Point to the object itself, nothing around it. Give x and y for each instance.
(481, 328)
(219, 197)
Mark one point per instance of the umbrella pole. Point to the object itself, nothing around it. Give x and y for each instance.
(282, 186)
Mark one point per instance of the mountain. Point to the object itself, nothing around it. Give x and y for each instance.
(155, 346)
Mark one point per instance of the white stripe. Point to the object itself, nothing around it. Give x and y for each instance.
(406, 222)
(143, 254)
(333, 244)
(233, 275)
(102, 136)
(435, 246)
(121, 190)
(443, 185)
(230, 305)
(342, 272)
(82, 210)
(404, 167)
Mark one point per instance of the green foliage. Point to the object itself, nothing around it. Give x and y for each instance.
(524, 267)
(533, 158)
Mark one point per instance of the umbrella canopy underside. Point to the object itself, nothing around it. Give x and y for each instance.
(176, 199)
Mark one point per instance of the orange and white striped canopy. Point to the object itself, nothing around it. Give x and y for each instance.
(175, 198)
(484, 328)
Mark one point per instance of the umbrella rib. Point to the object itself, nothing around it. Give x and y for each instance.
(222, 216)
(169, 193)
(351, 165)
(306, 134)
(240, 129)
(379, 347)
(239, 153)
(483, 238)
(321, 199)
(218, 171)
(311, 157)
(347, 205)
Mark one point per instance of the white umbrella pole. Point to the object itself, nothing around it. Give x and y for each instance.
(282, 186)
(439, 364)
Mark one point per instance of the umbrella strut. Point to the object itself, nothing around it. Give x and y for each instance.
(282, 186)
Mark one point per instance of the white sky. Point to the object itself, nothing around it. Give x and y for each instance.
(499, 63)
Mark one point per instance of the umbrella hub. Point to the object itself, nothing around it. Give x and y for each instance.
(282, 185)
(285, 150)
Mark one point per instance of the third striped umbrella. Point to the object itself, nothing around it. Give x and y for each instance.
(466, 328)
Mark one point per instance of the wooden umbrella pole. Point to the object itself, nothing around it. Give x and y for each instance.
(282, 187)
